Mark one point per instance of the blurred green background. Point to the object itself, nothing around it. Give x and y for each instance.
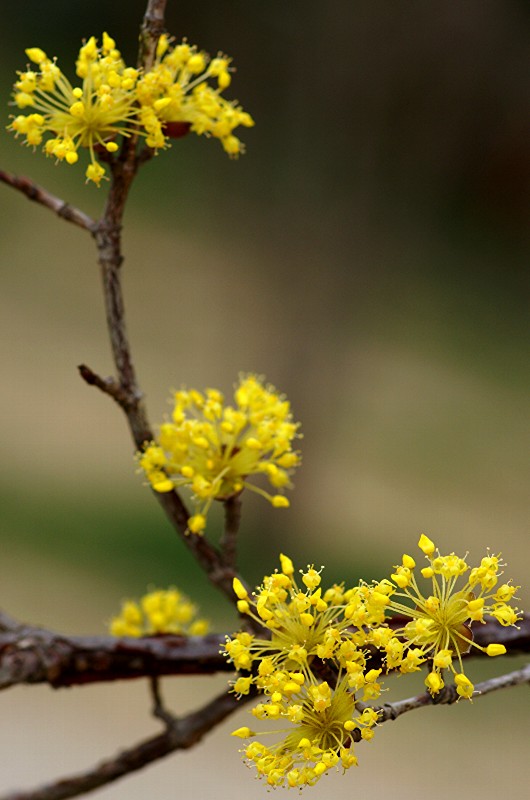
(369, 255)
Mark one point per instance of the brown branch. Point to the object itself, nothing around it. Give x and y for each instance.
(159, 709)
(125, 388)
(35, 192)
(231, 529)
(181, 734)
(35, 655)
(152, 26)
(448, 696)
(107, 385)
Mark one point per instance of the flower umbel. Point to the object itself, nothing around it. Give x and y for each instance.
(217, 450)
(309, 671)
(322, 728)
(183, 91)
(439, 631)
(311, 664)
(159, 611)
(89, 115)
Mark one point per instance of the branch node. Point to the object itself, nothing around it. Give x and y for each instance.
(159, 709)
(109, 386)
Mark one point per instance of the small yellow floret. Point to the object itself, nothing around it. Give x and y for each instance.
(427, 572)
(163, 486)
(239, 589)
(434, 682)
(243, 733)
(197, 523)
(426, 545)
(464, 687)
(286, 564)
(495, 650)
(279, 501)
(95, 172)
(36, 55)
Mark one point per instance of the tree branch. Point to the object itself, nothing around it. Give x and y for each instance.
(35, 192)
(231, 529)
(152, 26)
(448, 696)
(107, 385)
(125, 388)
(35, 655)
(159, 709)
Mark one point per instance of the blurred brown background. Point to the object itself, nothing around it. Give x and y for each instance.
(369, 255)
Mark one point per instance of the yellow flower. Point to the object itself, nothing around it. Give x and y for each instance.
(311, 632)
(90, 115)
(218, 450)
(322, 726)
(304, 625)
(159, 611)
(439, 629)
(311, 668)
(183, 91)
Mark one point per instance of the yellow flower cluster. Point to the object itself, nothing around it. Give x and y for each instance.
(91, 115)
(176, 93)
(159, 611)
(113, 100)
(216, 449)
(439, 630)
(310, 670)
(313, 668)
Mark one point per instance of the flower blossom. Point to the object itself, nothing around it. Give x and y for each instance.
(110, 100)
(90, 115)
(183, 91)
(159, 611)
(439, 630)
(311, 665)
(217, 450)
(311, 671)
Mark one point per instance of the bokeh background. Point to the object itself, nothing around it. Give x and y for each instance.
(369, 255)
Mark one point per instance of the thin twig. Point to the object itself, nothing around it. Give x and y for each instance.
(183, 733)
(40, 195)
(129, 395)
(125, 389)
(449, 695)
(159, 709)
(107, 385)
